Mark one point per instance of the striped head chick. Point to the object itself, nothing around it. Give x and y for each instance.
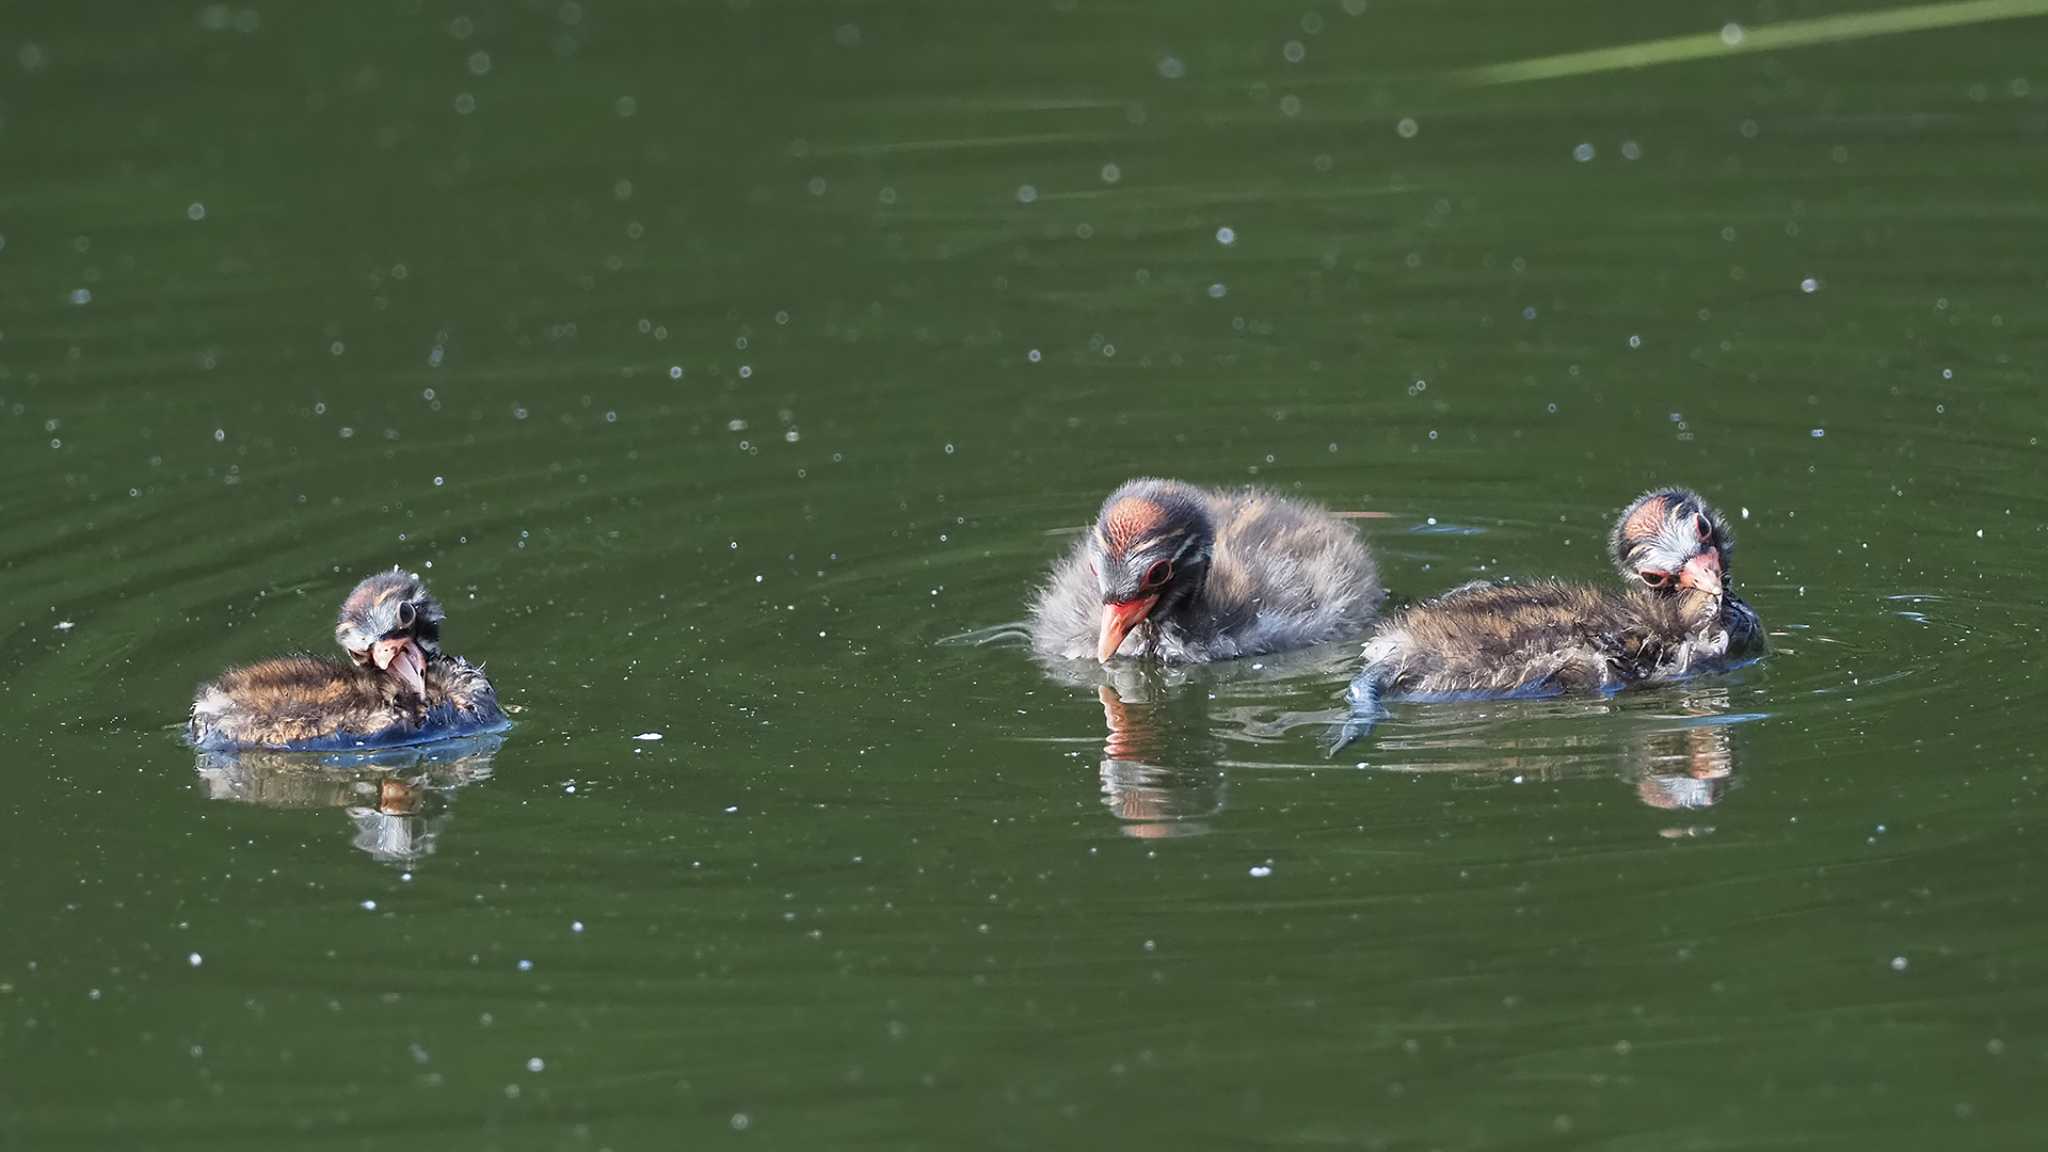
(1672, 544)
(1150, 552)
(391, 624)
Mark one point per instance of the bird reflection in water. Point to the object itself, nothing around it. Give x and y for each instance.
(397, 799)
(1150, 799)
(1692, 766)
(1681, 757)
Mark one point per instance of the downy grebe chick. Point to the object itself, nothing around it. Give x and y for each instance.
(1188, 575)
(1674, 617)
(397, 688)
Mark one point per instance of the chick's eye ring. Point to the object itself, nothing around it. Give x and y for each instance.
(1159, 573)
(1655, 579)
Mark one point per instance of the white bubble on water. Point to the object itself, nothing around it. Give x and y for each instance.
(1809, 285)
(1731, 34)
(1027, 194)
(1172, 68)
(195, 211)
(1583, 153)
(1261, 871)
(1111, 173)
(1406, 128)
(1218, 291)
(1226, 236)
(81, 296)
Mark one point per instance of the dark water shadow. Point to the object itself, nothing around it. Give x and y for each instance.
(398, 800)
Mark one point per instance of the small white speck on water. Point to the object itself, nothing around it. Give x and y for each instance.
(1172, 68)
(1256, 667)
(1406, 128)
(731, 808)
(536, 1064)
(1027, 194)
(526, 965)
(369, 905)
(1731, 34)
(1584, 153)
(741, 1122)
(65, 625)
(195, 211)
(1980, 533)
(1745, 513)
(1518, 780)
(195, 959)
(1431, 520)
(1261, 871)
(1218, 290)
(81, 296)
(1817, 433)
(1635, 341)
(1898, 963)
(405, 877)
(1034, 356)
(1111, 173)
(576, 926)
(650, 736)
(1809, 285)
(1226, 236)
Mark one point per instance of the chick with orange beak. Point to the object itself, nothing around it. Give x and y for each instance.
(1186, 575)
(1674, 617)
(397, 688)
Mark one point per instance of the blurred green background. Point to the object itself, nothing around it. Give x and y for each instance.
(734, 370)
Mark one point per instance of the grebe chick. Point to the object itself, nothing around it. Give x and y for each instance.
(1188, 575)
(397, 688)
(1674, 617)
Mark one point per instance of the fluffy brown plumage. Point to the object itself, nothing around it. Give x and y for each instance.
(398, 687)
(1673, 617)
(1188, 575)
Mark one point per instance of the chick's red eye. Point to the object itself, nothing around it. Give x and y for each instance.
(1159, 573)
(1701, 528)
(1655, 579)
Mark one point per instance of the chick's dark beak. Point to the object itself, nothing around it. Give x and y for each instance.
(1118, 618)
(1703, 573)
(403, 659)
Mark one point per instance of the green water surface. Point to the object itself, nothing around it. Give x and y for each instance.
(733, 371)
